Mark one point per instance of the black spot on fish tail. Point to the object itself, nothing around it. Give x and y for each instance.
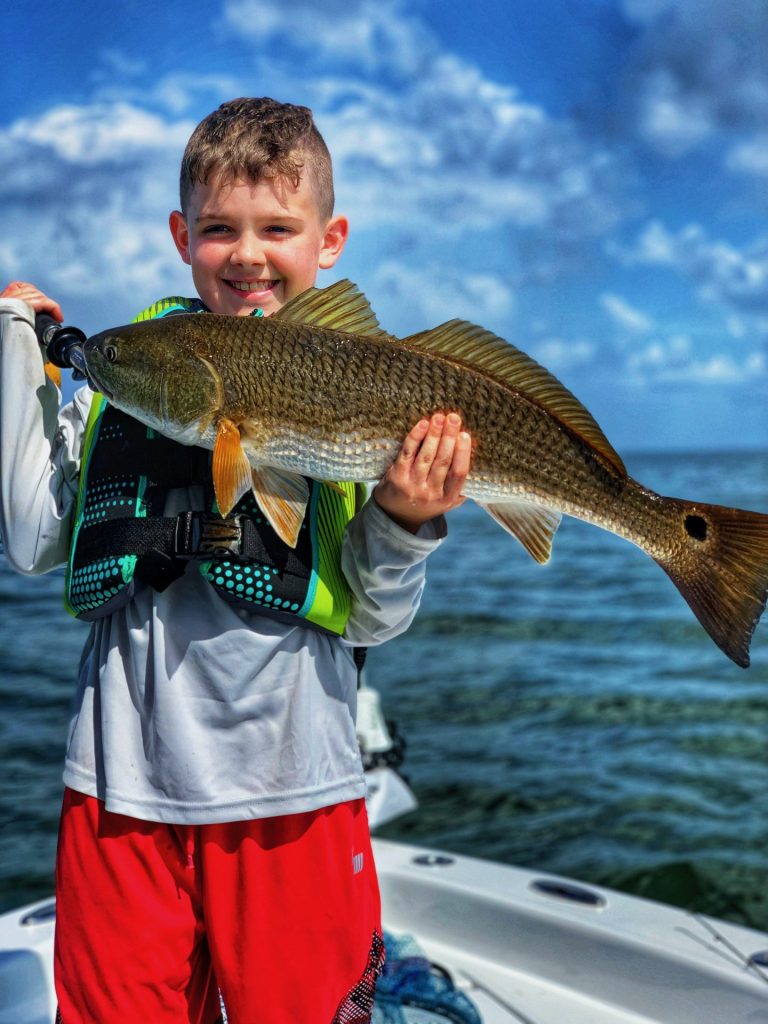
(696, 527)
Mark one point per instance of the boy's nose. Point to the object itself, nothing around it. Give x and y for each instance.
(248, 251)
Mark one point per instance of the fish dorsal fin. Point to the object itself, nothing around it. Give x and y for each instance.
(340, 307)
(473, 346)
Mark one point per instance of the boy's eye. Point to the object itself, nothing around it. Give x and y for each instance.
(278, 229)
(214, 229)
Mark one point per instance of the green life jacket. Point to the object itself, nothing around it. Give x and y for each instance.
(121, 535)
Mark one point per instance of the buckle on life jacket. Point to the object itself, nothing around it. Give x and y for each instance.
(205, 534)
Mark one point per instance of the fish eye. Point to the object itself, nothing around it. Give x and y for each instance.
(110, 353)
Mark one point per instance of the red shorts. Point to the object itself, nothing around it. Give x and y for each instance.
(280, 914)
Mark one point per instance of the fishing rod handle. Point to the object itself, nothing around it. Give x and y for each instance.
(58, 342)
(45, 328)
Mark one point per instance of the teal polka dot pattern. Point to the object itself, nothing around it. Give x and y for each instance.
(249, 582)
(108, 497)
(94, 584)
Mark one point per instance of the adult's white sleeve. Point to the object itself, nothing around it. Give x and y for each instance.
(385, 567)
(39, 449)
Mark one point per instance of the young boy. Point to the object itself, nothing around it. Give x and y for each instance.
(213, 834)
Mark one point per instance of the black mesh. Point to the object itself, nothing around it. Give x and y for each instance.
(357, 1006)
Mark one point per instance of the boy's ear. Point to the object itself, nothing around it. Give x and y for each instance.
(334, 240)
(180, 232)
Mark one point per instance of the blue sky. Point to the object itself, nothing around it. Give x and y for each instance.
(587, 178)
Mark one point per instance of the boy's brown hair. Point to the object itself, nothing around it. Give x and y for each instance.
(251, 139)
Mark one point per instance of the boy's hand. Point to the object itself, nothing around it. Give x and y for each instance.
(32, 295)
(426, 478)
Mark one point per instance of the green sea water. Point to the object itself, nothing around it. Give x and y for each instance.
(573, 718)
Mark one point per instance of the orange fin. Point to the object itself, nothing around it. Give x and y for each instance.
(282, 497)
(52, 372)
(231, 469)
(533, 525)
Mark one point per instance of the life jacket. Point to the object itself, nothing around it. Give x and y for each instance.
(121, 535)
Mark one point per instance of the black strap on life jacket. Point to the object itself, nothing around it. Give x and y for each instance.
(191, 535)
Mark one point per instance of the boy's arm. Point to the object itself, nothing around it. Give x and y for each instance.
(39, 447)
(387, 543)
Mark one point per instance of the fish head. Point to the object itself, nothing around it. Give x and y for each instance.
(132, 367)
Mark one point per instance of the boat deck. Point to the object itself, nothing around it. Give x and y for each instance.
(536, 949)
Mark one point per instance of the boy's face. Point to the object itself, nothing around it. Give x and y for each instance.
(255, 245)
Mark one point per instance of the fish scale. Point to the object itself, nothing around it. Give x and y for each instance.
(319, 390)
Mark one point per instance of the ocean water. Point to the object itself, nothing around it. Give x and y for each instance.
(572, 718)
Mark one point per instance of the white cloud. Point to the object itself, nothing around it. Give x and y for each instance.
(724, 369)
(87, 202)
(560, 355)
(377, 36)
(429, 296)
(674, 360)
(421, 133)
(750, 157)
(423, 141)
(98, 133)
(624, 315)
(721, 271)
(671, 119)
(456, 154)
(116, 63)
(175, 93)
(697, 69)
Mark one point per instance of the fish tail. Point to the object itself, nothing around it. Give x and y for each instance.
(719, 563)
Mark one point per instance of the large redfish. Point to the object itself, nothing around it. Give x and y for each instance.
(319, 390)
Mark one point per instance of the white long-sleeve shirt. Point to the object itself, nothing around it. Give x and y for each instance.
(189, 709)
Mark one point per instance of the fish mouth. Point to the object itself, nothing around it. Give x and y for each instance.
(93, 355)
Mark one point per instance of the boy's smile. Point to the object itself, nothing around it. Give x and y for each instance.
(255, 245)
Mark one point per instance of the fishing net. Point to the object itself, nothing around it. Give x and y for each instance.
(411, 990)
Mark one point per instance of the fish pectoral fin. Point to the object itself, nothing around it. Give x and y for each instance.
(282, 497)
(231, 469)
(533, 525)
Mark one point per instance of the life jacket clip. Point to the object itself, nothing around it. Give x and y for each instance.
(207, 535)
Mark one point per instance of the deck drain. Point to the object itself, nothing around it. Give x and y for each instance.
(567, 891)
(433, 860)
(41, 915)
